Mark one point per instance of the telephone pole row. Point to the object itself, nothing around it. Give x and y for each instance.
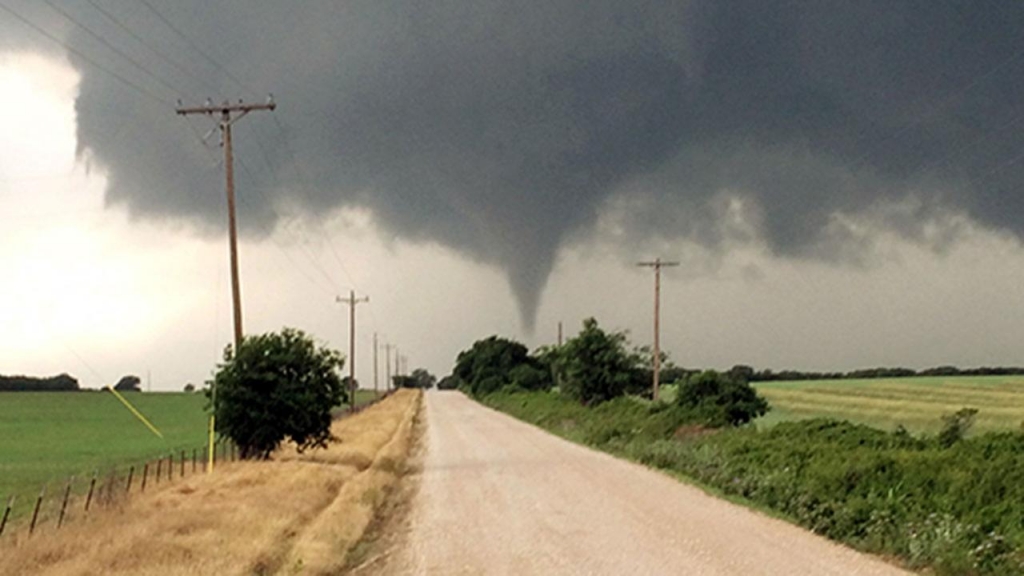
(352, 301)
(657, 265)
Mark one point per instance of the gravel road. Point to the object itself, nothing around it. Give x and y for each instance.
(498, 496)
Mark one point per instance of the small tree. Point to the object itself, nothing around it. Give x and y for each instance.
(190, 387)
(720, 400)
(128, 384)
(487, 366)
(956, 425)
(278, 386)
(596, 365)
(450, 382)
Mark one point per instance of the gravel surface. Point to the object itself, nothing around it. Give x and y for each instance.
(498, 496)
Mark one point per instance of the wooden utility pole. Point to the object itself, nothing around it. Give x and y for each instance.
(657, 265)
(387, 367)
(559, 333)
(352, 301)
(376, 390)
(229, 114)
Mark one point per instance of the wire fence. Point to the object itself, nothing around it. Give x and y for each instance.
(59, 503)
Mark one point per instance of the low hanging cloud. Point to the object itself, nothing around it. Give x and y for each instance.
(502, 130)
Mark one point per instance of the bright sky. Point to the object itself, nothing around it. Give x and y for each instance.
(89, 291)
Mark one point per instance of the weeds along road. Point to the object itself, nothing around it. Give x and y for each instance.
(498, 496)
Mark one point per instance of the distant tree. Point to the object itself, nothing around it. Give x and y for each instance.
(128, 384)
(424, 379)
(450, 382)
(719, 399)
(351, 385)
(190, 387)
(61, 383)
(277, 386)
(741, 373)
(597, 366)
(487, 366)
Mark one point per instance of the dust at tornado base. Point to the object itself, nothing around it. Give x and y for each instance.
(498, 496)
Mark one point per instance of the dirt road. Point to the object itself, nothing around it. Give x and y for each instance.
(498, 496)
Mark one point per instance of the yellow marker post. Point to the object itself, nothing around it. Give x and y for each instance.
(209, 457)
(135, 412)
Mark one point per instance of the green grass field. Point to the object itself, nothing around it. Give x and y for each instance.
(45, 437)
(916, 403)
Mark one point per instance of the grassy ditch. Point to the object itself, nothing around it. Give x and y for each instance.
(294, 514)
(955, 510)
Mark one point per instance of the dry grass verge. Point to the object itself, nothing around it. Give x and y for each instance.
(296, 514)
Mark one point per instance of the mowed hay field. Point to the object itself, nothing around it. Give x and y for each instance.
(294, 514)
(916, 403)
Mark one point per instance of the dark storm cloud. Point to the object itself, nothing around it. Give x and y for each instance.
(499, 128)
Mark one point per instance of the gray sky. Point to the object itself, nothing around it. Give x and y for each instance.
(839, 180)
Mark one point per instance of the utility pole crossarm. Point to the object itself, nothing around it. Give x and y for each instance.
(225, 108)
(657, 264)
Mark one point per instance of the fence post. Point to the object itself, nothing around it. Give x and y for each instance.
(7, 514)
(193, 460)
(182, 463)
(128, 485)
(170, 466)
(92, 486)
(159, 467)
(206, 458)
(145, 474)
(35, 512)
(64, 503)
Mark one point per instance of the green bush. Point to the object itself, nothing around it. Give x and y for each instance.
(277, 386)
(720, 399)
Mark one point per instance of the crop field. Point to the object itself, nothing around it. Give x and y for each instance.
(916, 403)
(45, 437)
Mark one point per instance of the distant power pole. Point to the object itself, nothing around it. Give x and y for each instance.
(398, 367)
(387, 367)
(657, 265)
(376, 390)
(226, 120)
(559, 333)
(352, 301)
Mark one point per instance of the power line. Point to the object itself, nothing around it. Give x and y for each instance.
(110, 46)
(120, 24)
(144, 91)
(227, 73)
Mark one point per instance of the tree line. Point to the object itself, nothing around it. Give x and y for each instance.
(766, 375)
(59, 383)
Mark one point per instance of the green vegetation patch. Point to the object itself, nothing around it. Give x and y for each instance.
(47, 436)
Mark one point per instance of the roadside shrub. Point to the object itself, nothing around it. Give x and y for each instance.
(955, 426)
(530, 377)
(596, 366)
(719, 399)
(277, 386)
